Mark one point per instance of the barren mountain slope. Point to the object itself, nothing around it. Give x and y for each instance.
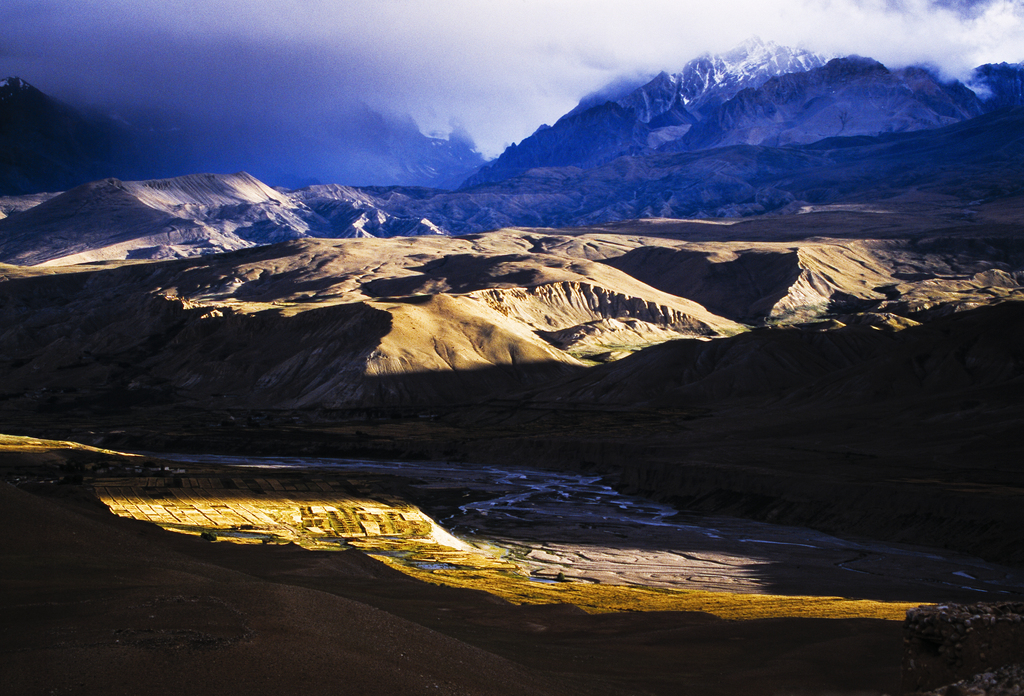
(910, 436)
(848, 365)
(446, 320)
(168, 218)
(474, 347)
(801, 281)
(330, 324)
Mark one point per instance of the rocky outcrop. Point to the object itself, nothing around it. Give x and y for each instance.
(1005, 681)
(574, 314)
(847, 97)
(953, 642)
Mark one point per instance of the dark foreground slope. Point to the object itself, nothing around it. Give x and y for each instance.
(94, 604)
(97, 606)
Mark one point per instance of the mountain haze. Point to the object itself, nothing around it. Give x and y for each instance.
(51, 146)
(48, 146)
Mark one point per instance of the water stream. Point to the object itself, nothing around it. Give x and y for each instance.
(574, 524)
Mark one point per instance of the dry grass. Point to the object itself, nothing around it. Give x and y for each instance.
(596, 598)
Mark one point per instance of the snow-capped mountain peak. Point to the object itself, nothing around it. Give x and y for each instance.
(712, 79)
(718, 78)
(754, 57)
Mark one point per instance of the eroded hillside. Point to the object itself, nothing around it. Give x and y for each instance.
(432, 321)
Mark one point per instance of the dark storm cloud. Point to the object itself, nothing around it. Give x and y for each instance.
(498, 69)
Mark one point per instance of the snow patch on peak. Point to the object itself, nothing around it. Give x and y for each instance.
(14, 83)
(750, 64)
(711, 79)
(10, 85)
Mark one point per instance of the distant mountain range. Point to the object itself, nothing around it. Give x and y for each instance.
(762, 129)
(959, 165)
(758, 94)
(186, 216)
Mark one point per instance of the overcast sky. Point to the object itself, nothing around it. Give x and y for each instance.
(498, 69)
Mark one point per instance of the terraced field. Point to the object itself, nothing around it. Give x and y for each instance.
(260, 509)
(316, 514)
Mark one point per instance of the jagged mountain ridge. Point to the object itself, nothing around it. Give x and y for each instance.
(759, 94)
(661, 110)
(712, 79)
(846, 97)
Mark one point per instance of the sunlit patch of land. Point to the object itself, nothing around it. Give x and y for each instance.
(322, 514)
(599, 598)
(18, 443)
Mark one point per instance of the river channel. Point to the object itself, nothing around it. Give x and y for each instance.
(574, 525)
